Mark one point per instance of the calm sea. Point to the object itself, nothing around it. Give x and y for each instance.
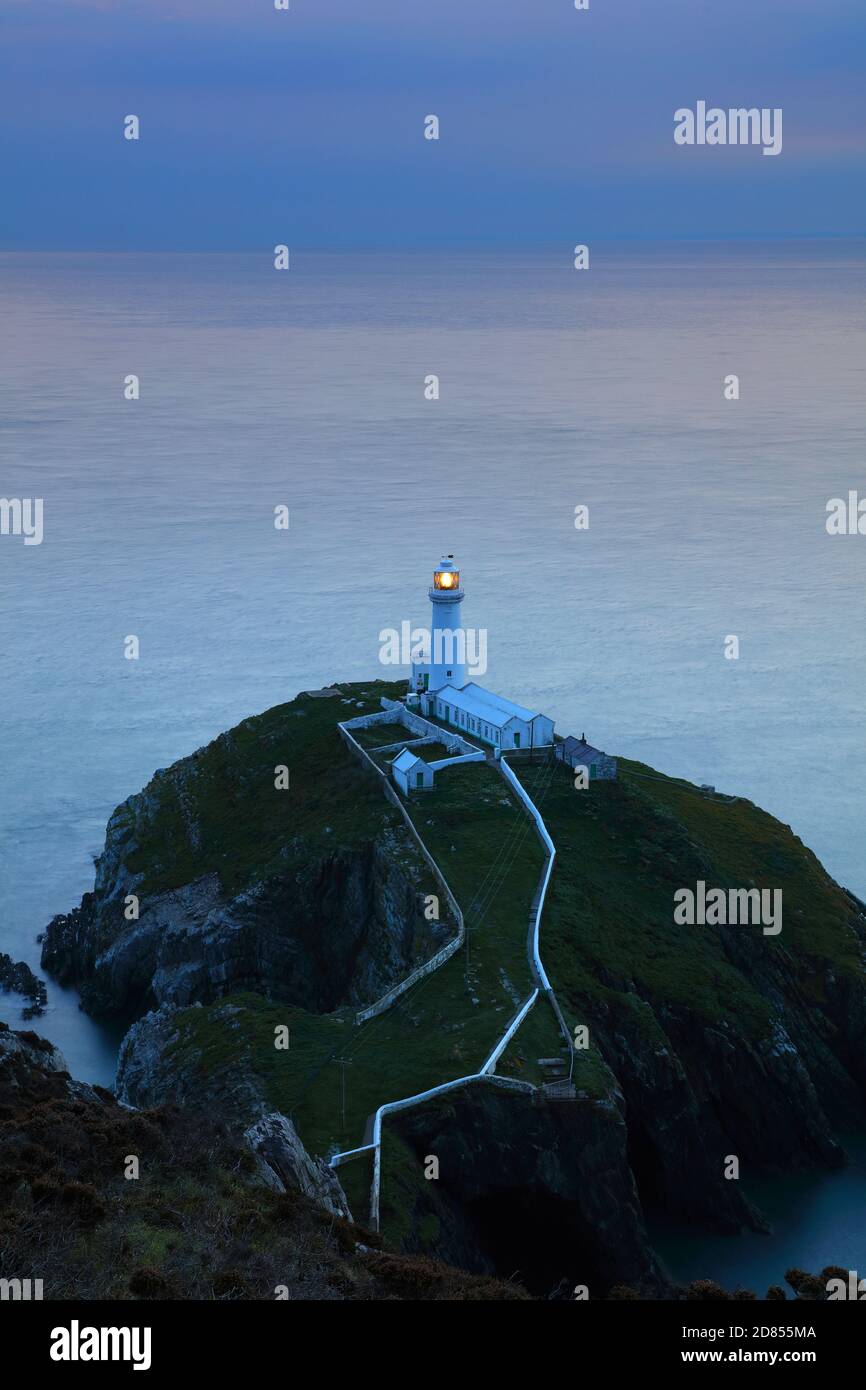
(306, 388)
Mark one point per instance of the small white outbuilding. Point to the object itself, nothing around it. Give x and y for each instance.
(410, 772)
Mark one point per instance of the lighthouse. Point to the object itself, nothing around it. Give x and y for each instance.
(447, 656)
(440, 686)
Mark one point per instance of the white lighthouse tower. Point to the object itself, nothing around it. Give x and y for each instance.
(447, 664)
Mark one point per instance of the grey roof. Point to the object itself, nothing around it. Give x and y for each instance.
(474, 699)
(575, 747)
(405, 760)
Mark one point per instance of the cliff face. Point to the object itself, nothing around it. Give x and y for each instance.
(212, 1216)
(263, 911)
(694, 1096)
(156, 1065)
(314, 899)
(725, 1042)
(540, 1188)
(341, 930)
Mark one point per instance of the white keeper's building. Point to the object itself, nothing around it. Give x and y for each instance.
(488, 717)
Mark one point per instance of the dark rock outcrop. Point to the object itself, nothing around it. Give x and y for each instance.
(696, 1095)
(341, 931)
(543, 1188)
(213, 882)
(150, 1073)
(707, 1043)
(726, 1042)
(285, 1165)
(17, 976)
(23, 1052)
(214, 1216)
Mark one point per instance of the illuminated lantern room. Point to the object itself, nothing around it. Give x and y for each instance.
(445, 577)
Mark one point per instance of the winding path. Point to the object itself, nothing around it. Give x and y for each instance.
(486, 1072)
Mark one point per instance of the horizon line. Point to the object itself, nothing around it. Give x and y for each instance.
(426, 248)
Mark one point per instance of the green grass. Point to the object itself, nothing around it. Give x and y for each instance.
(445, 1026)
(539, 1035)
(356, 1177)
(623, 848)
(379, 735)
(432, 752)
(402, 1193)
(607, 934)
(427, 752)
(749, 847)
(219, 810)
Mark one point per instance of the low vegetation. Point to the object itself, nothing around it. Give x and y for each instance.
(624, 847)
(219, 810)
(444, 1026)
(194, 1224)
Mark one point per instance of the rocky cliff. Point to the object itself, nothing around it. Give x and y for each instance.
(541, 1188)
(214, 881)
(263, 913)
(209, 1214)
(726, 1042)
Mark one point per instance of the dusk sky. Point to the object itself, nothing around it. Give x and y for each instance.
(260, 126)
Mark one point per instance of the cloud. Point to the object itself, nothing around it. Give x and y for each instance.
(316, 114)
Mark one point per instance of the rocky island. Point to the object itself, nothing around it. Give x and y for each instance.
(240, 929)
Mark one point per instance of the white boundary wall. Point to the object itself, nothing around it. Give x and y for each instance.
(450, 947)
(536, 931)
(416, 723)
(463, 758)
(391, 1106)
(486, 1072)
(551, 856)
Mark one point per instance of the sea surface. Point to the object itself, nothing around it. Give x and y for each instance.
(305, 388)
